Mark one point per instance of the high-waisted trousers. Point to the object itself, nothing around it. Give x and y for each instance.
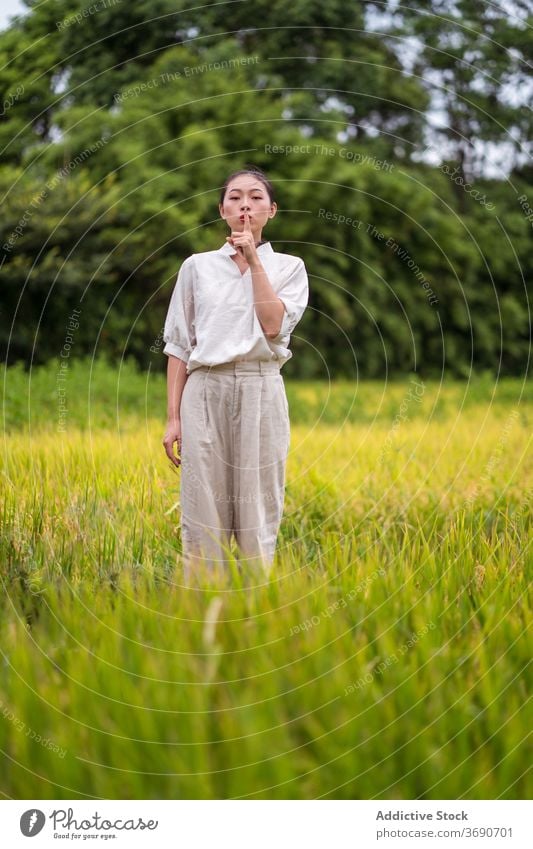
(235, 433)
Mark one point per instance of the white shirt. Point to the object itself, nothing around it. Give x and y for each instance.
(211, 318)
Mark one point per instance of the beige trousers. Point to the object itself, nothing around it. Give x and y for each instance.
(235, 440)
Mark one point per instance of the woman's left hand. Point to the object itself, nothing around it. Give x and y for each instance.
(244, 241)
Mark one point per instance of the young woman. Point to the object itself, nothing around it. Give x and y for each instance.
(227, 334)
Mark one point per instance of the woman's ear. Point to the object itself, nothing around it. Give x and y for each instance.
(273, 210)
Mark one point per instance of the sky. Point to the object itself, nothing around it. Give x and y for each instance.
(8, 9)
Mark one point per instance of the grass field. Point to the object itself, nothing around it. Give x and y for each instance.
(387, 656)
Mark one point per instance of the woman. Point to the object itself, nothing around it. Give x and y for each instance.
(227, 333)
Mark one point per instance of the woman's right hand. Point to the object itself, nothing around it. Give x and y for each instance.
(172, 436)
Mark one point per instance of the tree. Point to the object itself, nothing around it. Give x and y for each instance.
(27, 78)
(473, 58)
(330, 75)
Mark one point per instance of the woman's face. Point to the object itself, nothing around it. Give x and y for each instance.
(247, 194)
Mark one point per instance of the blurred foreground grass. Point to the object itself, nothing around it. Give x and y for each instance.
(387, 656)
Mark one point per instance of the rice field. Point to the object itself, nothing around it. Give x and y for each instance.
(386, 656)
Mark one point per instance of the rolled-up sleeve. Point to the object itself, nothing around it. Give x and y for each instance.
(179, 331)
(294, 292)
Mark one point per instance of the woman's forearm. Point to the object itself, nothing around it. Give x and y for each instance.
(176, 380)
(268, 307)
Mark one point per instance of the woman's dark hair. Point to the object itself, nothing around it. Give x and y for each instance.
(257, 173)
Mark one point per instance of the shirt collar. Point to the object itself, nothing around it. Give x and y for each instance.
(263, 250)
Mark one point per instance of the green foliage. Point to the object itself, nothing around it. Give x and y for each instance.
(100, 391)
(126, 125)
(473, 54)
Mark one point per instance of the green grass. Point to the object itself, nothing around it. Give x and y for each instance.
(387, 655)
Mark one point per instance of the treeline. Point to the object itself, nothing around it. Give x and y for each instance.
(121, 121)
